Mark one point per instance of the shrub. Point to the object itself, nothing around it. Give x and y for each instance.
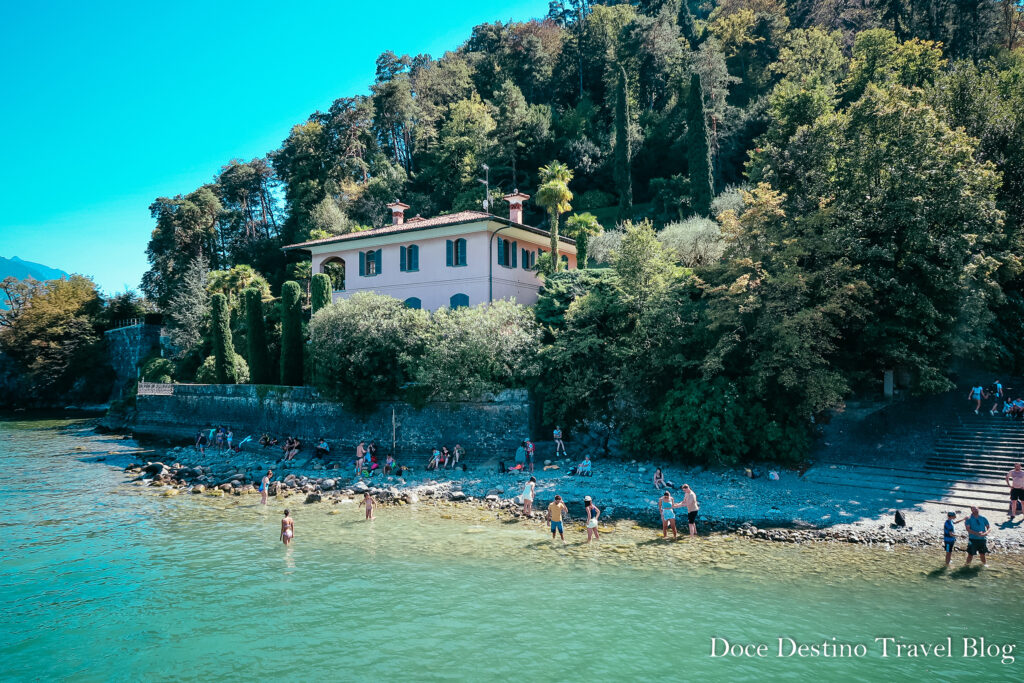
(320, 295)
(158, 370)
(365, 348)
(207, 373)
(487, 348)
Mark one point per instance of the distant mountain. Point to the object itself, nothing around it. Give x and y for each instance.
(22, 270)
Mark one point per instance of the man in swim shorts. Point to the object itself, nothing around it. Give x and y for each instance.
(555, 512)
(977, 535)
(692, 508)
(1015, 480)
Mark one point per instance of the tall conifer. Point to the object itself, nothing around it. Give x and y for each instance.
(256, 338)
(698, 150)
(291, 334)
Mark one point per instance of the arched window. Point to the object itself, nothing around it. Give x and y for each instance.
(458, 300)
(413, 302)
(410, 258)
(334, 268)
(455, 252)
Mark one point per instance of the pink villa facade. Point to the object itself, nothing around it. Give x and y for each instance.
(463, 259)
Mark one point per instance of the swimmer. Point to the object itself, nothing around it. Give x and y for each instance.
(592, 514)
(287, 528)
(265, 486)
(370, 503)
(529, 491)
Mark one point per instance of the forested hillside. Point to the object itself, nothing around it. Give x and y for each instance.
(780, 203)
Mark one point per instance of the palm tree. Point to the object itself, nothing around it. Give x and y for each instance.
(581, 227)
(554, 195)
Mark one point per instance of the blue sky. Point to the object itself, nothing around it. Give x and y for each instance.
(110, 105)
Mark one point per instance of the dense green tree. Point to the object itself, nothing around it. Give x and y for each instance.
(223, 346)
(698, 150)
(320, 292)
(256, 338)
(292, 353)
(188, 311)
(623, 147)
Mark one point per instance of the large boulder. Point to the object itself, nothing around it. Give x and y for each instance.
(198, 488)
(314, 498)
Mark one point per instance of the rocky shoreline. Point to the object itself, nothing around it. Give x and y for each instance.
(222, 478)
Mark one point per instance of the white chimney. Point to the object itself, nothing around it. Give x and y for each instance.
(515, 205)
(397, 212)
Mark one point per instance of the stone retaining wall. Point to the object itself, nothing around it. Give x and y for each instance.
(127, 347)
(482, 428)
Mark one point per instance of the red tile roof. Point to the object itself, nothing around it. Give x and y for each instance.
(419, 223)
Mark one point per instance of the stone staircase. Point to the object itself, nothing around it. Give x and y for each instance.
(971, 457)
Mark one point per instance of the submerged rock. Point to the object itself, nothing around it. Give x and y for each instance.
(314, 498)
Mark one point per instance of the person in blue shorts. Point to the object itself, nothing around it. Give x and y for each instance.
(555, 512)
(977, 535)
(949, 535)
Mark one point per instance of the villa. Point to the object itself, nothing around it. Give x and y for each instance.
(462, 259)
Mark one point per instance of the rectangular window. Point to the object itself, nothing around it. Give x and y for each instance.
(455, 253)
(370, 263)
(409, 258)
(507, 254)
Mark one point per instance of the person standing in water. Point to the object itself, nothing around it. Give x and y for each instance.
(555, 512)
(977, 533)
(1015, 480)
(667, 507)
(529, 492)
(949, 535)
(287, 528)
(692, 508)
(265, 486)
(370, 504)
(592, 514)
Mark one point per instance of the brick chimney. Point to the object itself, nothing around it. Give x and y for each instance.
(397, 212)
(515, 205)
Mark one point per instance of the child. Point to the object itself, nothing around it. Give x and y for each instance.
(949, 535)
(389, 465)
(370, 503)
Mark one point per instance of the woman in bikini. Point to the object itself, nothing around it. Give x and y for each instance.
(287, 528)
(592, 514)
(370, 504)
(667, 507)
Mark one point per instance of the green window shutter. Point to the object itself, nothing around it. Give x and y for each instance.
(379, 260)
(448, 253)
(515, 254)
(415, 257)
(401, 260)
(362, 264)
(462, 252)
(501, 252)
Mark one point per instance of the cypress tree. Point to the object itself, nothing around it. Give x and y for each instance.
(223, 346)
(698, 150)
(259, 361)
(623, 148)
(321, 288)
(291, 333)
(687, 26)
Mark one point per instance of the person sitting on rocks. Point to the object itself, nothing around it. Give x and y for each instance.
(1017, 409)
(659, 481)
(267, 440)
(584, 468)
(446, 457)
(296, 447)
(389, 465)
(322, 448)
(435, 459)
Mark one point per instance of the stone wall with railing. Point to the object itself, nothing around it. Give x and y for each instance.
(494, 425)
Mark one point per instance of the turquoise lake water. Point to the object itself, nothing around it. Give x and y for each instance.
(103, 580)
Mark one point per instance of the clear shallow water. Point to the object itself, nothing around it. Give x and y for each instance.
(103, 580)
